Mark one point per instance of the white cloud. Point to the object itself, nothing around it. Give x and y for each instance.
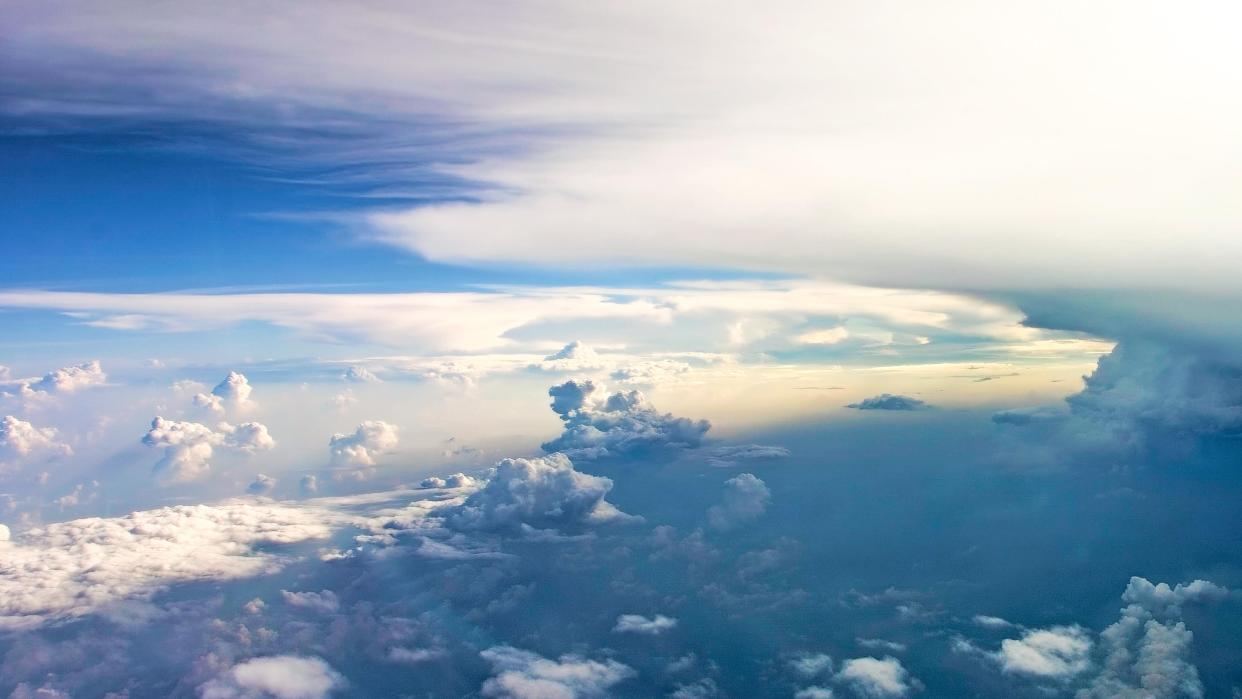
(189, 446)
(734, 455)
(278, 677)
(1058, 652)
(456, 480)
(85, 566)
(622, 423)
(1148, 650)
(20, 440)
(810, 665)
(827, 336)
(541, 492)
(637, 623)
(814, 693)
(371, 439)
(519, 674)
(233, 393)
(888, 401)
(746, 498)
(70, 379)
(872, 677)
(262, 485)
(324, 602)
(360, 374)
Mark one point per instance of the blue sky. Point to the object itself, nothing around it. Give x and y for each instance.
(535, 350)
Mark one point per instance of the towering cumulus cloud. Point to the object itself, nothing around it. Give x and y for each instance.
(233, 393)
(189, 446)
(623, 423)
(543, 492)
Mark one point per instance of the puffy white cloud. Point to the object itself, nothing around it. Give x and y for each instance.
(233, 393)
(746, 498)
(456, 480)
(734, 455)
(637, 623)
(369, 440)
(873, 677)
(811, 665)
(541, 492)
(20, 440)
(1057, 652)
(189, 446)
(323, 602)
(261, 485)
(360, 374)
(575, 356)
(622, 423)
(519, 674)
(277, 677)
(888, 401)
(85, 566)
(1163, 600)
(69, 379)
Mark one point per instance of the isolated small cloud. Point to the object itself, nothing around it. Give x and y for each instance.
(1058, 652)
(309, 484)
(360, 374)
(233, 393)
(746, 498)
(323, 602)
(814, 692)
(734, 455)
(361, 448)
(637, 623)
(877, 678)
(456, 480)
(827, 336)
(888, 401)
(262, 485)
(811, 665)
(519, 674)
(279, 677)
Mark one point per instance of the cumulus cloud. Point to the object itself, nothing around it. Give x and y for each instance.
(622, 423)
(519, 674)
(811, 665)
(262, 485)
(575, 356)
(189, 446)
(68, 379)
(1147, 652)
(746, 498)
(323, 602)
(456, 480)
(278, 677)
(879, 678)
(309, 484)
(637, 623)
(233, 393)
(545, 492)
(360, 374)
(20, 440)
(371, 439)
(734, 455)
(1058, 652)
(888, 401)
(85, 566)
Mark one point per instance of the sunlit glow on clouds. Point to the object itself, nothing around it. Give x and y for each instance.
(560, 349)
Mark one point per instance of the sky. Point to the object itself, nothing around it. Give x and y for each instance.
(554, 349)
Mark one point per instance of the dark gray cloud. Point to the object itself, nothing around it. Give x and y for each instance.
(888, 401)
